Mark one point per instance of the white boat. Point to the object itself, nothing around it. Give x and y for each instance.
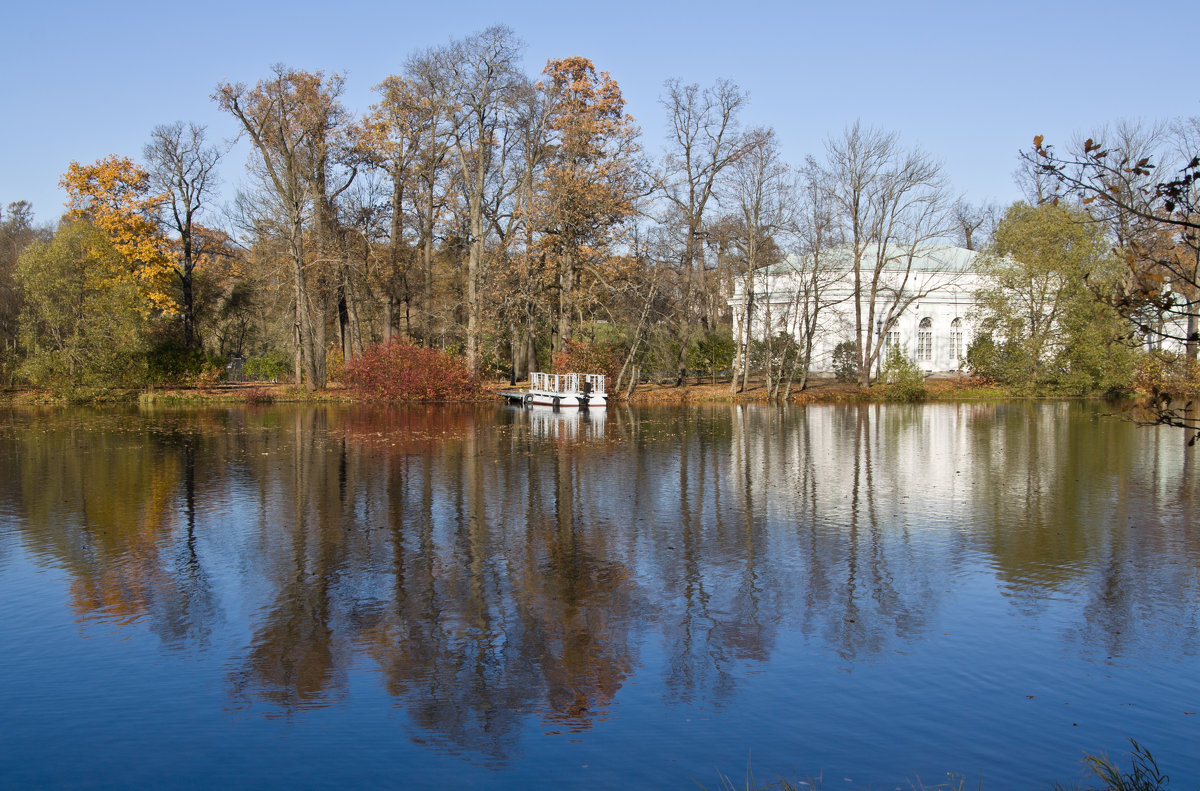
(566, 390)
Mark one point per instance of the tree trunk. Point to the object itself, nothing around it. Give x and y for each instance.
(1191, 344)
(343, 310)
(472, 297)
(188, 308)
(530, 349)
(566, 293)
(297, 353)
(305, 370)
(427, 270)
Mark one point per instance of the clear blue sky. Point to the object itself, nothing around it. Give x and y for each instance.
(970, 83)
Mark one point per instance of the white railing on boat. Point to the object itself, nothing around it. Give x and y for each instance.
(557, 384)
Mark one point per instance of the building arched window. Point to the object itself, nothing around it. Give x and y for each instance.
(956, 349)
(925, 340)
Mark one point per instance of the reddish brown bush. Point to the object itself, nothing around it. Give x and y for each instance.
(401, 371)
(589, 358)
(256, 396)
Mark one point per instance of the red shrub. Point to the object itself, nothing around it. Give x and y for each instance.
(401, 371)
(256, 396)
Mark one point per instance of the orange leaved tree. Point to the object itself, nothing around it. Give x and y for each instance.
(591, 179)
(113, 194)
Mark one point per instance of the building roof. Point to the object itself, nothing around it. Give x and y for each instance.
(927, 258)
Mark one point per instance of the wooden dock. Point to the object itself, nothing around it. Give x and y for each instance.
(514, 396)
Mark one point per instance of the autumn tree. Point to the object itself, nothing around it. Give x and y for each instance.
(183, 171)
(526, 281)
(1144, 183)
(1150, 196)
(1039, 322)
(17, 232)
(406, 140)
(84, 320)
(116, 196)
(299, 131)
(591, 178)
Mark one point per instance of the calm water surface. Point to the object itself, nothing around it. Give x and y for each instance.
(344, 597)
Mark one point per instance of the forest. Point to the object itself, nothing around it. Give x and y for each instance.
(519, 222)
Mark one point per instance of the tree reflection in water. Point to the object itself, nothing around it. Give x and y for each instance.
(497, 568)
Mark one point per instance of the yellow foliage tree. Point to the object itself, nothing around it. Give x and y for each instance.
(113, 195)
(591, 179)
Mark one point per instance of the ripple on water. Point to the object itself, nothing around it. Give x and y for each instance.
(340, 595)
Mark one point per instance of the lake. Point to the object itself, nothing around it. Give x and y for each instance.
(490, 597)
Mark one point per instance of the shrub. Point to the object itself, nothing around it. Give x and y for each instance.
(1163, 377)
(335, 364)
(402, 371)
(845, 361)
(903, 377)
(589, 358)
(173, 365)
(256, 396)
(773, 352)
(270, 367)
(712, 353)
(1005, 362)
(207, 377)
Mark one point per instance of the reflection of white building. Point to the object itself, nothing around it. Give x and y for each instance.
(923, 302)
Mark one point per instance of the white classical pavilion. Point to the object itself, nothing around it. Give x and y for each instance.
(928, 291)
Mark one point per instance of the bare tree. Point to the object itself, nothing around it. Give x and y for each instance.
(972, 224)
(1037, 187)
(364, 220)
(297, 126)
(891, 204)
(183, 170)
(814, 276)
(705, 138)
(474, 81)
(761, 187)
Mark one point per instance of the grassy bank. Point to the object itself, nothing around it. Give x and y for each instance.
(822, 391)
(227, 394)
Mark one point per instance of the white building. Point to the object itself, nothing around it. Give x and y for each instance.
(923, 302)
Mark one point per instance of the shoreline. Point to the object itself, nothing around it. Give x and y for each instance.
(821, 391)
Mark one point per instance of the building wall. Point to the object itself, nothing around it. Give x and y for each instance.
(948, 297)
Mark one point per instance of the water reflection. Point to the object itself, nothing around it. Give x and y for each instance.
(501, 567)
